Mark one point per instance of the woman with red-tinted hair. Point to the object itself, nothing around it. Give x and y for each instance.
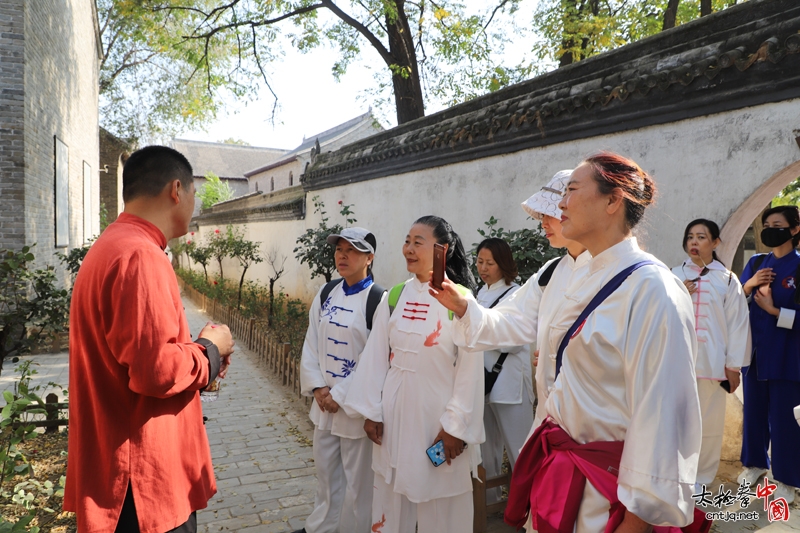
(624, 412)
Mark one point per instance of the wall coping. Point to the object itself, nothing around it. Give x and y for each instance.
(746, 55)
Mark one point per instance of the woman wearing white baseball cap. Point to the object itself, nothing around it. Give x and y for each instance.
(339, 323)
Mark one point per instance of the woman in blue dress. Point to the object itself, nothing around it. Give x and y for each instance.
(772, 381)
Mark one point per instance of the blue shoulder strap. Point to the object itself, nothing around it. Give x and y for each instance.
(607, 290)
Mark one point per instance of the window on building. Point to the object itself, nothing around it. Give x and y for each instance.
(62, 193)
(291, 179)
(87, 202)
(271, 184)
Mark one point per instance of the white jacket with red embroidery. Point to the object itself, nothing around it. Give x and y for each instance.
(722, 320)
(415, 380)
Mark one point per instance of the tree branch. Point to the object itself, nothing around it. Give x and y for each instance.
(363, 30)
(252, 23)
(264, 75)
(374, 17)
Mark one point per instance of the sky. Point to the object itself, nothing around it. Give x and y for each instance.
(310, 100)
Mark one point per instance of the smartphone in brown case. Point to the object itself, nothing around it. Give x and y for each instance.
(439, 258)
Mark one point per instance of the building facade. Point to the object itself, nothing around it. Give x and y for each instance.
(49, 149)
(285, 171)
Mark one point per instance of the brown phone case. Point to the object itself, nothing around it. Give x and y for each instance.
(439, 258)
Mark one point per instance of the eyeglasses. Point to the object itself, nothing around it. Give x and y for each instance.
(702, 273)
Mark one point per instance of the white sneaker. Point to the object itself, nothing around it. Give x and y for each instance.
(784, 491)
(751, 474)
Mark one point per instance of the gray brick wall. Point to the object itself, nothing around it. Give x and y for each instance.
(12, 124)
(61, 99)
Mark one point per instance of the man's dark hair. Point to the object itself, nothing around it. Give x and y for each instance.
(149, 170)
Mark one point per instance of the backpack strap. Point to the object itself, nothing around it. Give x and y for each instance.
(758, 262)
(376, 292)
(464, 291)
(606, 291)
(544, 279)
(394, 296)
(500, 297)
(326, 290)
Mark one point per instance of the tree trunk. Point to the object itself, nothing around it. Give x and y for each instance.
(705, 7)
(205, 271)
(405, 71)
(670, 15)
(570, 15)
(219, 262)
(241, 282)
(271, 301)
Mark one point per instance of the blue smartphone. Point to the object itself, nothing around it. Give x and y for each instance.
(436, 453)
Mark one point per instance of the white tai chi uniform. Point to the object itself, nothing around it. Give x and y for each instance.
(509, 406)
(722, 323)
(337, 333)
(522, 318)
(414, 380)
(628, 375)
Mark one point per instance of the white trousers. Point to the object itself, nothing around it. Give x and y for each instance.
(343, 502)
(394, 513)
(712, 411)
(507, 426)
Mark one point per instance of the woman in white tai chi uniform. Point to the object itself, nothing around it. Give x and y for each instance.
(624, 412)
(722, 323)
(525, 316)
(415, 388)
(338, 327)
(508, 413)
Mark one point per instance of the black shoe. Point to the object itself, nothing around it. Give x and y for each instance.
(300, 531)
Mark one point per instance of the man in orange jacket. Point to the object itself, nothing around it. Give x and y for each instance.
(139, 459)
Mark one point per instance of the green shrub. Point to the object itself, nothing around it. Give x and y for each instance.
(32, 308)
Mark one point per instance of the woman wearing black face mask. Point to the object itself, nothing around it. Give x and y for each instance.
(772, 381)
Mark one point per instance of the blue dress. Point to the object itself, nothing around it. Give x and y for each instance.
(772, 381)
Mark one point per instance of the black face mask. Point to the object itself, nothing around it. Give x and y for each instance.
(774, 237)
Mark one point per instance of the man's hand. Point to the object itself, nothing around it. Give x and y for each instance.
(321, 395)
(449, 297)
(453, 446)
(374, 431)
(225, 362)
(220, 335)
(633, 524)
(733, 377)
(536, 358)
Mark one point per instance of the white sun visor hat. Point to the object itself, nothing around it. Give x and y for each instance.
(355, 236)
(545, 202)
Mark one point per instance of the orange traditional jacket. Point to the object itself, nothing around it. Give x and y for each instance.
(135, 414)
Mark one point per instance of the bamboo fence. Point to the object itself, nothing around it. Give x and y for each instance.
(256, 337)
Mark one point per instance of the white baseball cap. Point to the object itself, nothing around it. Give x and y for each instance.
(545, 201)
(359, 237)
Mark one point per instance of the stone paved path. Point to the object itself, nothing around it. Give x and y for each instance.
(260, 444)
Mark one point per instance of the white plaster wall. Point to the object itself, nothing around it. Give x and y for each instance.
(704, 167)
